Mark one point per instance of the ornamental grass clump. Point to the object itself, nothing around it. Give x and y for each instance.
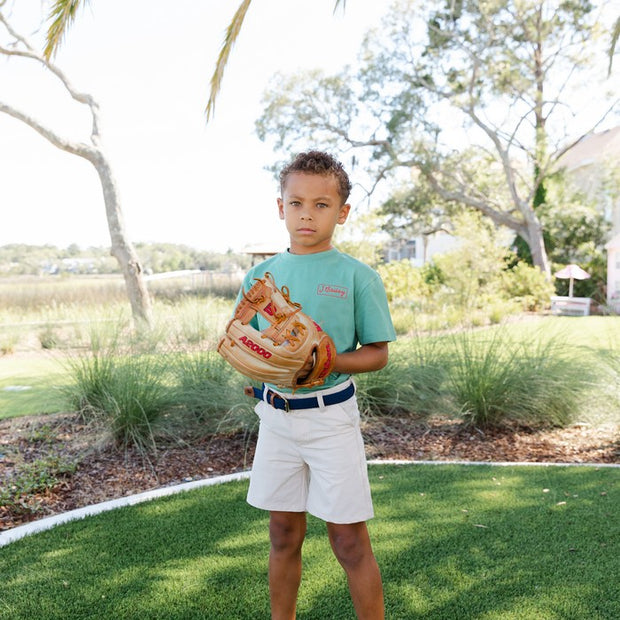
(208, 391)
(121, 387)
(128, 395)
(496, 380)
(411, 385)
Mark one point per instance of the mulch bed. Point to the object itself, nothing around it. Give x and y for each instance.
(102, 472)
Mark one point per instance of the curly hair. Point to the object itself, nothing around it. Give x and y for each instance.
(318, 162)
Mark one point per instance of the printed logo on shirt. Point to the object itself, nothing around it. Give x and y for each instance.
(332, 290)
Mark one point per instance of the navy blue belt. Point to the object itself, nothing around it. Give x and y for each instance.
(310, 402)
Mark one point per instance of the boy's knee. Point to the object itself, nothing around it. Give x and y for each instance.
(349, 548)
(287, 531)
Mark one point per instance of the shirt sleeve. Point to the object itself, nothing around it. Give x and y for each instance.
(372, 313)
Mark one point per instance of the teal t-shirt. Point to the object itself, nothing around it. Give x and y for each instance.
(343, 295)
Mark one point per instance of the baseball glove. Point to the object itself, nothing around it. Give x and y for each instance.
(291, 352)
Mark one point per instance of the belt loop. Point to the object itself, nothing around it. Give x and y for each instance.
(319, 398)
(265, 392)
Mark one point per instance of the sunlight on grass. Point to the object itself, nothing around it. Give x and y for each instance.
(452, 542)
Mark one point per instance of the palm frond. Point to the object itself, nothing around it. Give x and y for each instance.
(61, 15)
(232, 32)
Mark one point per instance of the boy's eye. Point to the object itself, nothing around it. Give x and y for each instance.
(294, 203)
(322, 205)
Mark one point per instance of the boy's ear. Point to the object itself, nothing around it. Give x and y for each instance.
(343, 213)
(281, 208)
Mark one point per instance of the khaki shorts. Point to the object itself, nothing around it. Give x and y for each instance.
(312, 460)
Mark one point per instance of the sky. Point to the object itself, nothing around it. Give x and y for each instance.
(148, 64)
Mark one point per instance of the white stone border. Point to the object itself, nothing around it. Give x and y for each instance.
(48, 523)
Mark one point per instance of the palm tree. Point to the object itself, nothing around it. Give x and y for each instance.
(64, 11)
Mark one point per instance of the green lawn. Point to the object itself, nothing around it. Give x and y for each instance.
(492, 543)
(29, 385)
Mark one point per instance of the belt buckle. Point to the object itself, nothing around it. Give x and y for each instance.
(272, 398)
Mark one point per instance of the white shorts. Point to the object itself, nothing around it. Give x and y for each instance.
(312, 460)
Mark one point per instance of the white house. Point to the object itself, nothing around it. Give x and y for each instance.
(613, 273)
(419, 250)
(588, 163)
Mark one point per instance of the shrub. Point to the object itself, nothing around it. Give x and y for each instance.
(528, 286)
(403, 281)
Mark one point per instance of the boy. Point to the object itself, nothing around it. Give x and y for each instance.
(312, 459)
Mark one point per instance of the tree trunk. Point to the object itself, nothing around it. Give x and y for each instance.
(533, 236)
(121, 248)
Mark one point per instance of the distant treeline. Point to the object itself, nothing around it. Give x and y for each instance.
(23, 259)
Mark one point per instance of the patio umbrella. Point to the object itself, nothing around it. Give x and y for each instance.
(572, 272)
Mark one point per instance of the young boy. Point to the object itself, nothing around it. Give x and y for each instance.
(312, 459)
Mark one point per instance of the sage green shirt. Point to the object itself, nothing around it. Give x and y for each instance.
(343, 295)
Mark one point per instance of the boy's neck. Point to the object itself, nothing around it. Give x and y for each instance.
(304, 251)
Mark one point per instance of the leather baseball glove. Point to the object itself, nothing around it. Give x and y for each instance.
(291, 352)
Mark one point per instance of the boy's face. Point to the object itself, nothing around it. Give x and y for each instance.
(311, 207)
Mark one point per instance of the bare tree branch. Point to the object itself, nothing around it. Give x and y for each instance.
(76, 148)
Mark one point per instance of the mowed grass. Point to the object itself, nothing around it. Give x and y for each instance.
(31, 385)
(499, 543)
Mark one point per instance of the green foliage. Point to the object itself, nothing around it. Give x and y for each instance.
(125, 393)
(31, 479)
(410, 385)
(472, 273)
(22, 259)
(434, 76)
(403, 281)
(206, 388)
(488, 378)
(495, 380)
(528, 286)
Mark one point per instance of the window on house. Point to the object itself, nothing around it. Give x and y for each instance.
(401, 250)
(409, 249)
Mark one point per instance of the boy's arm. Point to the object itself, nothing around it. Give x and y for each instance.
(367, 358)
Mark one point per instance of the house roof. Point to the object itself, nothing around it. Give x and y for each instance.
(592, 148)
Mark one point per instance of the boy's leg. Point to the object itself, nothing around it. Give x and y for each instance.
(287, 531)
(352, 548)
